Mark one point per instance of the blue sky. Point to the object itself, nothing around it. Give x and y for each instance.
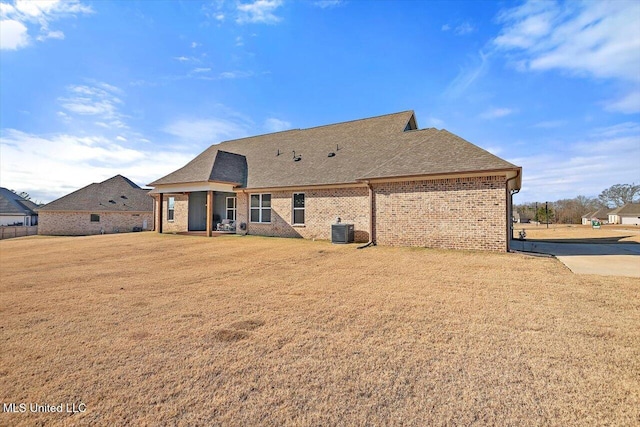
(92, 89)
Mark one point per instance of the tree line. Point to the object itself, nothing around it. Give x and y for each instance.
(570, 211)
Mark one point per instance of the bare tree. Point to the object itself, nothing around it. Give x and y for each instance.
(620, 194)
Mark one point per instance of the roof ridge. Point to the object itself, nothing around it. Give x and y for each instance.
(315, 127)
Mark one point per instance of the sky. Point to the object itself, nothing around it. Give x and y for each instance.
(89, 89)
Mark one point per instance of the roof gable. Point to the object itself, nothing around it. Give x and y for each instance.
(13, 204)
(630, 209)
(117, 194)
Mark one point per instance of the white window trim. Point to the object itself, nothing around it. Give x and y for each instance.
(258, 208)
(234, 208)
(169, 209)
(294, 209)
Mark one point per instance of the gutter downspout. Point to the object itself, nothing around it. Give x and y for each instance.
(372, 240)
(510, 210)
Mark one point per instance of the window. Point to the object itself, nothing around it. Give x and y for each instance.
(171, 206)
(298, 208)
(95, 218)
(261, 208)
(231, 208)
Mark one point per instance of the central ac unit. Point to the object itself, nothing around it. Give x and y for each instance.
(341, 233)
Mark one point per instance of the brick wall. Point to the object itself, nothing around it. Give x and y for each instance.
(460, 213)
(180, 221)
(79, 223)
(321, 209)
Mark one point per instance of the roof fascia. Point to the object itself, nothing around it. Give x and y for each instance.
(188, 187)
(508, 173)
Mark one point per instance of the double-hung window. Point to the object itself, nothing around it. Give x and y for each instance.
(231, 208)
(298, 208)
(261, 208)
(94, 218)
(171, 205)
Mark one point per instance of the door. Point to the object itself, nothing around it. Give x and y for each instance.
(198, 211)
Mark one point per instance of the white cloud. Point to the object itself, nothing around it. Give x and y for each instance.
(496, 113)
(30, 14)
(435, 122)
(464, 28)
(550, 124)
(628, 104)
(235, 74)
(201, 70)
(276, 125)
(98, 100)
(239, 41)
(48, 167)
(209, 130)
(609, 156)
(195, 45)
(59, 35)
(13, 35)
(467, 76)
(260, 11)
(586, 39)
(446, 27)
(181, 58)
(325, 4)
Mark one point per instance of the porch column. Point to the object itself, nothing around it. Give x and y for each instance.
(159, 213)
(209, 213)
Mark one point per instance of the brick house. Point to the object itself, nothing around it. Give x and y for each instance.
(396, 184)
(116, 205)
(16, 210)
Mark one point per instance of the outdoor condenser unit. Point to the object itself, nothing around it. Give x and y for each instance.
(341, 233)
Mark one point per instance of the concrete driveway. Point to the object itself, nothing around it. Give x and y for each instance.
(606, 259)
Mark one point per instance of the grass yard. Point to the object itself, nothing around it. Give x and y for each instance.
(574, 233)
(148, 329)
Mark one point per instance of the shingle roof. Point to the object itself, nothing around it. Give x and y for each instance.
(602, 213)
(12, 204)
(377, 147)
(630, 209)
(117, 194)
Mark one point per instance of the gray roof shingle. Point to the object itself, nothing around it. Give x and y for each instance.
(377, 147)
(117, 194)
(630, 209)
(13, 204)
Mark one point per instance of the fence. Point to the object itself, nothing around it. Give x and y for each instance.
(9, 232)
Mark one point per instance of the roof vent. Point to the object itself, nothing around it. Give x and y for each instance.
(112, 202)
(296, 158)
(332, 154)
(123, 197)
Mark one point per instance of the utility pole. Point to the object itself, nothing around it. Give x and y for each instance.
(546, 212)
(537, 220)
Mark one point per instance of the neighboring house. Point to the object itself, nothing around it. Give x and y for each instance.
(396, 184)
(586, 219)
(613, 217)
(628, 214)
(16, 210)
(601, 215)
(116, 205)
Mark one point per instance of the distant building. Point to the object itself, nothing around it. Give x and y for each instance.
(628, 214)
(16, 210)
(116, 205)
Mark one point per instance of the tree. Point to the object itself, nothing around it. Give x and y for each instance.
(542, 214)
(620, 194)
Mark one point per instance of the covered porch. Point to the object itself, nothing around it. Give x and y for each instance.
(195, 210)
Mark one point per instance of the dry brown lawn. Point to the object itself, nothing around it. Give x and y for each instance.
(609, 233)
(150, 329)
